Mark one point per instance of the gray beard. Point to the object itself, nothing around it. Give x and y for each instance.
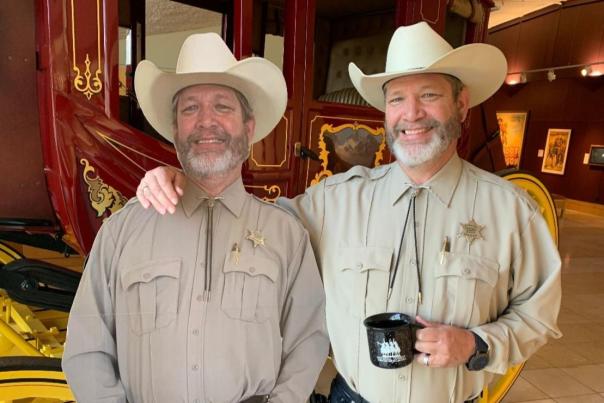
(204, 165)
(418, 154)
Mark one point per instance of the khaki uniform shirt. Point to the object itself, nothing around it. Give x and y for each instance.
(140, 329)
(504, 286)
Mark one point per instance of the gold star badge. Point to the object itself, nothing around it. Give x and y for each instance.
(256, 237)
(472, 231)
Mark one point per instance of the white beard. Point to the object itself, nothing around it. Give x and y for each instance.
(413, 155)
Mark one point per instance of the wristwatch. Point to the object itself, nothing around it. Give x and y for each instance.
(480, 358)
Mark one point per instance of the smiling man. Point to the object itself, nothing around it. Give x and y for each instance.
(221, 301)
(429, 235)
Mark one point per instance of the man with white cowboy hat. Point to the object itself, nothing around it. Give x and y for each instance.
(464, 251)
(221, 301)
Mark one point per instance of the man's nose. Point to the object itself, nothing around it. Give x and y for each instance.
(412, 109)
(206, 117)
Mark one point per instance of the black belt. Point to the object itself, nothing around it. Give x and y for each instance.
(352, 396)
(257, 399)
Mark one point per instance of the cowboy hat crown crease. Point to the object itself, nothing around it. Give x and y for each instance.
(190, 60)
(417, 55)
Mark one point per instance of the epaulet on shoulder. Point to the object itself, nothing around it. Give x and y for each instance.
(274, 205)
(133, 202)
(358, 171)
(504, 184)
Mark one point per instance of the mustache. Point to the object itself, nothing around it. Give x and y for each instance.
(428, 122)
(201, 134)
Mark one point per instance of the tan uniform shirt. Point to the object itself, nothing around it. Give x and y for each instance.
(505, 285)
(140, 329)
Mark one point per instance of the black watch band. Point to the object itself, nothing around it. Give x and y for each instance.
(480, 358)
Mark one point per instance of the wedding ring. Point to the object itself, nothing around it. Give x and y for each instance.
(427, 360)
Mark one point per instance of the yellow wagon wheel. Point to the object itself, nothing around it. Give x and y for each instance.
(30, 379)
(535, 188)
(33, 380)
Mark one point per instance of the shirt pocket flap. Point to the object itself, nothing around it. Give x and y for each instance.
(364, 259)
(470, 267)
(253, 265)
(148, 271)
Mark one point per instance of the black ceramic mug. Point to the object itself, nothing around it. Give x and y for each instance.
(391, 338)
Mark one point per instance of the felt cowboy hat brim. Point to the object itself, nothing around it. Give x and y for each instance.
(205, 59)
(417, 49)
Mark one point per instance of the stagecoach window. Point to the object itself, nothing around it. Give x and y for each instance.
(348, 31)
(155, 30)
(267, 37)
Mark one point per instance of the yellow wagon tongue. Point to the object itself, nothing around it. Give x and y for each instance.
(498, 388)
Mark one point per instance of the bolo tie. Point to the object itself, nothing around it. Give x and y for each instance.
(207, 286)
(410, 208)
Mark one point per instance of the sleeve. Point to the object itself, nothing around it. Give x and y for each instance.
(309, 207)
(90, 356)
(303, 328)
(534, 300)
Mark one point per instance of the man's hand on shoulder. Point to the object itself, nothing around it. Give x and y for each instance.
(161, 188)
(447, 346)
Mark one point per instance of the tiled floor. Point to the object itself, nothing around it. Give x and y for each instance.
(571, 369)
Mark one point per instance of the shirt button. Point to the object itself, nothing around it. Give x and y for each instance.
(402, 377)
(252, 269)
(410, 300)
(412, 261)
(199, 297)
(195, 367)
(466, 271)
(146, 276)
(359, 266)
(195, 332)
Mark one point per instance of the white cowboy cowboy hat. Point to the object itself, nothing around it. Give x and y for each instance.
(205, 59)
(416, 49)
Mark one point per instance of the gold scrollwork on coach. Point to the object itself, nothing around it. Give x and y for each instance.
(102, 196)
(87, 84)
(273, 189)
(349, 144)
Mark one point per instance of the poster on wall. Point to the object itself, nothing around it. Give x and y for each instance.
(556, 150)
(512, 126)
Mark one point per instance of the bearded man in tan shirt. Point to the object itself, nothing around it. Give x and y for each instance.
(464, 251)
(221, 301)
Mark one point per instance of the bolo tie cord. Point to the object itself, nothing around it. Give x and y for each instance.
(417, 266)
(207, 287)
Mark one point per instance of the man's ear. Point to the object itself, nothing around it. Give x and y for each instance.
(251, 126)
(463, 103)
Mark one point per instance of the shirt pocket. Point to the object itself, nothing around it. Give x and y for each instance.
(362, 279)
(250, 288)
(152, 294)
(464, 288)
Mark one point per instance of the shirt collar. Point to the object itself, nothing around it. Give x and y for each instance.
(442, 185)
(233, 197)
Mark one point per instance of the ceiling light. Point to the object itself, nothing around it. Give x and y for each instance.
(551, 75)
(586, 71)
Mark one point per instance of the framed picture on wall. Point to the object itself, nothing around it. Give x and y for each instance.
(512, 126)
(556, 150)
(596, 155)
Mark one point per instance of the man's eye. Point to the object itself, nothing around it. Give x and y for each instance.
(430, 95)
(189, 109)
(395, 100)
(223, 108)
